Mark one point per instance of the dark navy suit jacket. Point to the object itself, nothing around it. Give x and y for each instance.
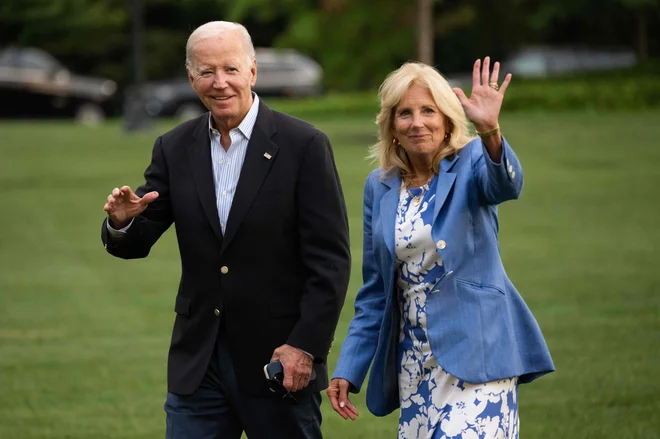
(280, 272)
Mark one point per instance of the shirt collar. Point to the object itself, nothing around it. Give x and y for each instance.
(247, 124)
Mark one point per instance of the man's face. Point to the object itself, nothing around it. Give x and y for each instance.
(222, 76)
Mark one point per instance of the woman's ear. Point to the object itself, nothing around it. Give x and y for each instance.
(450, 126)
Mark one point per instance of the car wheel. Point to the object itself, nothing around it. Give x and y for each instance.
(90, 114)
(189, 111)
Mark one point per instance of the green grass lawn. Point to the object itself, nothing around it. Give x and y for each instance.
(84, 336)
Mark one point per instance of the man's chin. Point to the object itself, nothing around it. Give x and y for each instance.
(223, 114)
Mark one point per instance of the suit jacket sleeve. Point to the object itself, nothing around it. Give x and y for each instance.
(359, 347)
(154, 221)
(498, 182)
(324, 249)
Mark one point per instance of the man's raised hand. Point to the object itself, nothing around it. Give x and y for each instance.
(123, 205)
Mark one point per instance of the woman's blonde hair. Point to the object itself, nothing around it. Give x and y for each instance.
(387, 151)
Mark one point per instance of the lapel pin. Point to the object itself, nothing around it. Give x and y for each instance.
(268, 156)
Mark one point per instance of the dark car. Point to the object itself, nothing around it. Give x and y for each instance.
(34, 84)
(279, 73)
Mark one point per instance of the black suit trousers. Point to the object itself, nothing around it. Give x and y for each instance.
(219, 410)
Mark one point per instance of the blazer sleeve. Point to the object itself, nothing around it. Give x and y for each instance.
(358, 349)
(154, 221)
(324, 249)
(497, 182)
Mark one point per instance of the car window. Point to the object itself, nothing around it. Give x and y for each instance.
(528, 64)
(36, 59)
(9, 58)
(266, 67)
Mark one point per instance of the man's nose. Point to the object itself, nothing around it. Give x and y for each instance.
(219, 80)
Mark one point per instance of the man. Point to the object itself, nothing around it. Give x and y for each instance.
(263, 236)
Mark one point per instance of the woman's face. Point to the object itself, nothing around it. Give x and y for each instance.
(418, 123)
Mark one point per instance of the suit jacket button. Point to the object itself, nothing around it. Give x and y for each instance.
(224, 269)
(216, 312)
(442, 244)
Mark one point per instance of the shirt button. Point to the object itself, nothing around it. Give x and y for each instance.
(224, 192)
(513, 175)
(442, 244)
(224, 269)
(216, 312)
(221, 161)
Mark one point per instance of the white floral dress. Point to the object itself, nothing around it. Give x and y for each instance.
(434, 404)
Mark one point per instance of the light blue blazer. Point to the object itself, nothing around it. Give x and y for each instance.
(479, 327)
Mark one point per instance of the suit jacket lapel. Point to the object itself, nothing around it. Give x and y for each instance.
(445, 182)
(390, 201)
(199, 157)
(388, 206)
(261, 153)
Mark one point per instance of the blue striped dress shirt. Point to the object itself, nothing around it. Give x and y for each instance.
(227, 164)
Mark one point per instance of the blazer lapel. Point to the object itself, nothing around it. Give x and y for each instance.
(199, 157)
(445, 182)
(260, 155)
(388, 206)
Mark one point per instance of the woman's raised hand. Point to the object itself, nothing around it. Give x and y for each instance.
(483, 106)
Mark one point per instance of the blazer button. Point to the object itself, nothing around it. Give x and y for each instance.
(224, 269)
(216, 312)
(441, 244)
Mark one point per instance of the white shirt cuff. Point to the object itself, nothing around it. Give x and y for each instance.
(118, 233)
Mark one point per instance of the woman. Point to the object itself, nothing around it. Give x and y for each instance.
(449, 336)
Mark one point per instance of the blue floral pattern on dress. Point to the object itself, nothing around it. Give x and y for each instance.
(435, 404)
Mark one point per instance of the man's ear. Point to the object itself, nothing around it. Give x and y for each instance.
(253, 70)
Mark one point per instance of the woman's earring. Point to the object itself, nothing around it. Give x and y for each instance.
(448, 135)
(395, 142)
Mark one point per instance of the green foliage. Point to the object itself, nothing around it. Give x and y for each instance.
(355, 50)
(614, 90)
(95, 36)
(356, 42)
(621, 90)
(69, 28)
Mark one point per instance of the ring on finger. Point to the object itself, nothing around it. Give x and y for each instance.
(494, 85)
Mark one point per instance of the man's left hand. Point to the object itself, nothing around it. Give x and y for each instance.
(297, 367)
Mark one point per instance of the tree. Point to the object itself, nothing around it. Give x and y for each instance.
(644, 11)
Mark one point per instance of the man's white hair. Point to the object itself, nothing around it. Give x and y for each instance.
(216, 28)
